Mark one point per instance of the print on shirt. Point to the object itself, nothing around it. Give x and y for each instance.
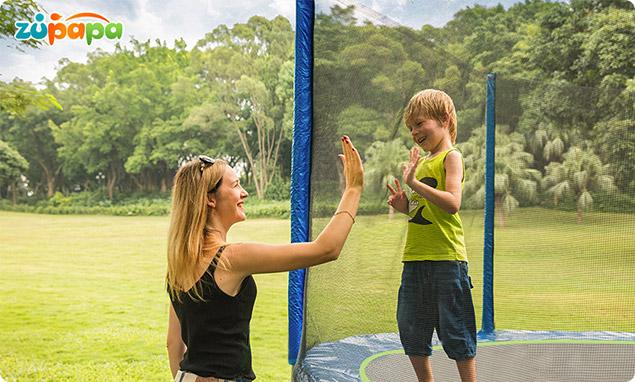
(418, 218)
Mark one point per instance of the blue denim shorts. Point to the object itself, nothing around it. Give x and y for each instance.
(436, 295)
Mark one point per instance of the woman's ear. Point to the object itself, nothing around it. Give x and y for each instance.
(211, 202)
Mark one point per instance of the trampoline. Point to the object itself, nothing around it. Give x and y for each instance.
(564, 291)
(513, 356)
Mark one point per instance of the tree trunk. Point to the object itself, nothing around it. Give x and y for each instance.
(499, 213)
(112, 181)
(136, 181)
(579, 216)
(14, 193)
(50, 186)
(50, 178)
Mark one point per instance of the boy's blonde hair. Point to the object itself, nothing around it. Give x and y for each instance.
(432, 104)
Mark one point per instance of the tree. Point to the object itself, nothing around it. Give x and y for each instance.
(14, 10)
(166, 138)
(577, 177)
(363, 125)
(32, 135)
(384, 161)
(515, 182)
(117, 99)
(616, 145)
(17, 95)
(12, 166)
(111, 107)
(248, 70)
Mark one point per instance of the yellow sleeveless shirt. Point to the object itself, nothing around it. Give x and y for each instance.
(433, 234)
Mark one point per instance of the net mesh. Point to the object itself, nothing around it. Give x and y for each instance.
(362, 81)
(565, 185)
(564, 245)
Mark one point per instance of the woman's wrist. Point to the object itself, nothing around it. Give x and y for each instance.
(353, 190)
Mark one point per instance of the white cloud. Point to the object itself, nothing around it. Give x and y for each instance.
(166, 20)
(285, 8)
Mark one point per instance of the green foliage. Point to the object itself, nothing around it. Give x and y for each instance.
(12, 164)
(247, 74)
(278, 190)
(15, 10)
(17, 96)
(132, 116)
(577, 177)
(616, 141)
(515, 183)
(384, 161)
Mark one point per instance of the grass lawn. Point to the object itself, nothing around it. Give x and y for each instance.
(551, 273)
(82, 297)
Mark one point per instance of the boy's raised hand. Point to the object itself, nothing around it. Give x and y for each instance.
(398, 199)
(410, 167)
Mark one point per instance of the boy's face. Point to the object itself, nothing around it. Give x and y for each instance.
(428, 133)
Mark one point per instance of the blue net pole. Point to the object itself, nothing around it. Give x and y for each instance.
(301, 164)
(487, 323)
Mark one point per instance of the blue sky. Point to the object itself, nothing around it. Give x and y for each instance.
(171, 19)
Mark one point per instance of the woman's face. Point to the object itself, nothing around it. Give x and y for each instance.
(230, 198)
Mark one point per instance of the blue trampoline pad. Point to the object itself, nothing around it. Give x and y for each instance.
(506, 356)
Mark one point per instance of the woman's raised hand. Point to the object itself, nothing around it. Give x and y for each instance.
(352, 162)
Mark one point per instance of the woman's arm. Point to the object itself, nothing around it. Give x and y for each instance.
(250, 258)
(450, 199)
(176, 346)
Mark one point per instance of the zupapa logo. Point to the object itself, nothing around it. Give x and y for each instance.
(75, 30)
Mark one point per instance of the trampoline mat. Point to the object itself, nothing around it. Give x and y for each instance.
(561, 362)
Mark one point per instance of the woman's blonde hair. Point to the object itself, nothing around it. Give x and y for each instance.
(189, 224)
(432, 104)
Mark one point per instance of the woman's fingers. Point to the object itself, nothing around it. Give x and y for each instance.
(352, 163)
(392, 190)
(350, 155)
(355, 153)
(347, 154)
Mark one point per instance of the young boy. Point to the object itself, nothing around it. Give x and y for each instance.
(435, 291)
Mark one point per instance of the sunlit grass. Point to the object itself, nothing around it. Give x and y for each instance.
(82, 297)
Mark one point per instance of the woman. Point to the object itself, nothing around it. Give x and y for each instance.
(211, 289)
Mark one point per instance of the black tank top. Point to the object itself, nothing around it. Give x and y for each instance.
(216, 330)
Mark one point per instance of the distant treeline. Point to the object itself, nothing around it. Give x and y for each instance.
(566, 95)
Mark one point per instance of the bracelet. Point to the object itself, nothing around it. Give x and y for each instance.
(345, 212)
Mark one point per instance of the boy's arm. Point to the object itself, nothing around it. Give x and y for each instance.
(450, 199)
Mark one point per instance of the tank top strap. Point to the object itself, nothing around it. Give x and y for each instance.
(445, 155)
(217, 255)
